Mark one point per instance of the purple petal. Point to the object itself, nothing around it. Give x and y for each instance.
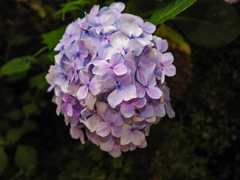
(82, 92)
(101, 68)
(127, 110)
(154, 92)
(147, 111)
(139, 103)
(119, 40)
(84, 77)
(90, 100)
(103, 129)
(120, 69)
(94, 86)
(126, 129)
(69, 109)
(167, 58)
(141, 90)
(129, 92)
(148, 27)
(115, 98)
(116, 151)
(118, 121)
(92, 122)
(169, 70)
(106, 144)
(137, 137)
(159, 110)
(110, 115)
(116, 131)
(94, 10)
(76, 133)
(93, 137)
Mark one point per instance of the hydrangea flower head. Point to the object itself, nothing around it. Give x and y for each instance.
(109, 79)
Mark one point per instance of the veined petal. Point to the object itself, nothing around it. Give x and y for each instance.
(116, 131)
(92, 122)
(106, 144)
(129, 92)
(154, 92)
(120, 69)
(115, 98)
(103, 129)
(119, 40)
(127, 110)
(147, 111)
(148, 27)
(167, 58)
(69, 109)
(82, 92)
(169, 70)
(137, 137)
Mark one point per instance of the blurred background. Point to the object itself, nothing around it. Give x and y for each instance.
(201, 142)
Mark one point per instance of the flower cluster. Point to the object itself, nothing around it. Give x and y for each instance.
(109, 79)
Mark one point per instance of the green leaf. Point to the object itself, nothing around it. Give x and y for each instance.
(3, 160)
(168, 9)
(71, 6)
(210, 23)
(16, 65)
(30, 109)
(39, 81)
(29, 125)
(15, 114)
(52, 38)
(26, 158)
(40, 51)
(14, 135)
(117, 163)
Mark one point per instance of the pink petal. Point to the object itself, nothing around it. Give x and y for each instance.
(116, 151)
(106, 144)
(137, 137)
(120, 69)
(101, 108)
(92, 122)
(93, 137)
(69, 109)
(90, 101)
(126, 129)
(103, 129)
(115, 98)
(82, 92)
(110, 115)
(154, 92)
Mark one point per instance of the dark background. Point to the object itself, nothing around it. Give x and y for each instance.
(201, 142)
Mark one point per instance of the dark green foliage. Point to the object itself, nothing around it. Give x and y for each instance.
(168, 9)
(210, 23)
(201, 143)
